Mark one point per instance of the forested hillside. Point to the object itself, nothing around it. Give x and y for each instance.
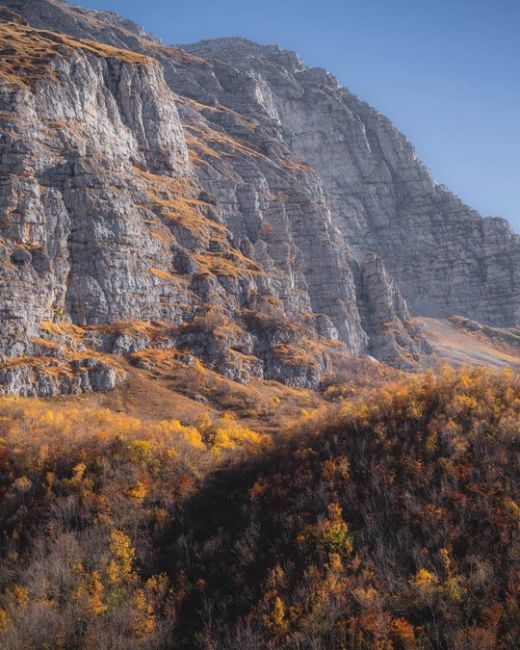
(387, 522)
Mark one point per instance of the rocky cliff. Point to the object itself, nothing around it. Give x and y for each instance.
(220, 201)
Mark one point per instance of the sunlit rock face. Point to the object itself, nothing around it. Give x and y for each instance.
(441, 254)
(154, 184)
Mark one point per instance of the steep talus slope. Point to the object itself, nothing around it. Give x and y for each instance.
(247, 206)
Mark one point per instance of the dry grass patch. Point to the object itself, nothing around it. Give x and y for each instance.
(296, 356)
(177, 200)
(166, 276)
(57, 366)
(212, 138)
(26, 53)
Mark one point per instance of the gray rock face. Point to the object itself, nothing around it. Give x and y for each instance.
(157, 185)
(442, 255)
(75, 239)
(385, 315)
(86, 376)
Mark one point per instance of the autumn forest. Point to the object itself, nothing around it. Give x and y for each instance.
(385, 522)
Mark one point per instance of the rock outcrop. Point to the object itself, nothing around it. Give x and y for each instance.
(222, 198)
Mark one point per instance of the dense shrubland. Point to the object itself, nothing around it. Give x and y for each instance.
(85, 498)
(390, 523)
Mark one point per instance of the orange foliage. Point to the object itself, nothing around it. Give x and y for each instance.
(391, 523)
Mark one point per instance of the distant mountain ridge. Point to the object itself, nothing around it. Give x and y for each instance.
(219, 200)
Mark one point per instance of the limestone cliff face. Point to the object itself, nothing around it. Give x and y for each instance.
(105, 221)
(220, 198)
(442, 255)
(73, 144)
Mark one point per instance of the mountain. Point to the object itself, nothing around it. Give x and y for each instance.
(234, 284)
(221, 202)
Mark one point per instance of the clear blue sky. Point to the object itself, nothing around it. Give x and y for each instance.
(447, 72)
